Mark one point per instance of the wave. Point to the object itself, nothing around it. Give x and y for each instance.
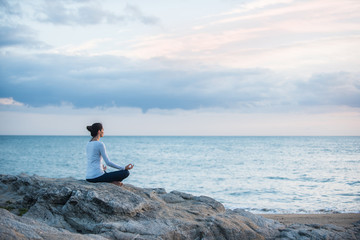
(353, 183)
(279, 178)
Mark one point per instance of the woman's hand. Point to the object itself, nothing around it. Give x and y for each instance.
(104, 167)
(129, 167)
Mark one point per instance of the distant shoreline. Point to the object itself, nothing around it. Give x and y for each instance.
(346, 220)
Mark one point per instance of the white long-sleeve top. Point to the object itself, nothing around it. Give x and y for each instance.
(95, 151)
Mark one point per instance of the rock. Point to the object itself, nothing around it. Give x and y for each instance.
(75, 209)
(301, 231)
(15, 227)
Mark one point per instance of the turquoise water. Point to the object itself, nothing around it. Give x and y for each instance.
(260, 174)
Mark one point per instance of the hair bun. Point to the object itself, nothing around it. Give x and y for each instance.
(94, 129)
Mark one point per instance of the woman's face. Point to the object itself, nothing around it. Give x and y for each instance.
(101, 132)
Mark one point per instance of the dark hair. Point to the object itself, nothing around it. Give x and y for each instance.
(93, 129)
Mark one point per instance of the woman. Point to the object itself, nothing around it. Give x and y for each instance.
(95, 151)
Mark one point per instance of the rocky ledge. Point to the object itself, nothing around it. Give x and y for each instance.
(34, 207)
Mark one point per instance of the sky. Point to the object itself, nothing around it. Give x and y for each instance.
(180, 67)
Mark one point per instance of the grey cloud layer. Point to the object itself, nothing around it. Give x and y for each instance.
(75, 13)
(331, 89)
(113, 81)
(19, 35)
(58, 13)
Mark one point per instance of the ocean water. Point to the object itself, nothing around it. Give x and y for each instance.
(259, 174)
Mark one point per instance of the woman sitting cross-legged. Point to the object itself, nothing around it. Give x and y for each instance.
(95, 151)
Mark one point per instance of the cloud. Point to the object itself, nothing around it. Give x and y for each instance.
(304, 36)
(251, 6)
(104, 81)
(109, 81)
(19, 35)
(13, 33)
(89, 13)
(9, 9)
(80, 49)
(331, 89)
(10, 102)
(313, 12)
(134, 13)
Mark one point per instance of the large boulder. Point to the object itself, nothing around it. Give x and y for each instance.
(75, 209)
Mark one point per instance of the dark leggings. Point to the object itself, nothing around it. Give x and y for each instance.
(111, 176)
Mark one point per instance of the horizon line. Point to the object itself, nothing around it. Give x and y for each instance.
(70, 135)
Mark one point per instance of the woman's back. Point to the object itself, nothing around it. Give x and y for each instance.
(93, 154)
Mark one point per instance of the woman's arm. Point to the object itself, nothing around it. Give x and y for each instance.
(106, 158)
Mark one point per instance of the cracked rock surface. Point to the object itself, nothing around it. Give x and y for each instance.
(75, 209)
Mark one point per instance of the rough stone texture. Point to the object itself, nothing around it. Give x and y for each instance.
(75, 209)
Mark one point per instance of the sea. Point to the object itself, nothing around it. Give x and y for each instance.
(258, 174)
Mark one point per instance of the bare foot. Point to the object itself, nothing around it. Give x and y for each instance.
(120, 184)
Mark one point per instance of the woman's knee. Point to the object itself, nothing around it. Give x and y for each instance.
(127, 173)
